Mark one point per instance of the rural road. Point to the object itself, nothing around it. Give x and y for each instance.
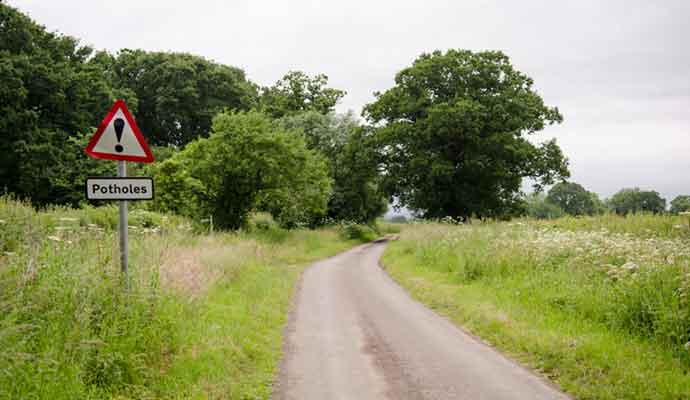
(355, 334)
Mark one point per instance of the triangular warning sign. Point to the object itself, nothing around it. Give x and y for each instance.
(119, 138)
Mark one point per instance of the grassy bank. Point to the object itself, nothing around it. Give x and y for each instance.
(598, 305)
(203, 316)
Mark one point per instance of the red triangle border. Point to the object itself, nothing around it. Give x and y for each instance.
(119, 104)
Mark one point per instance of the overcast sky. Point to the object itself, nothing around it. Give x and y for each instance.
(618, 70)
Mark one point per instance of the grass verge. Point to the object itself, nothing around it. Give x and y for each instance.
(203, 316)
(603, 314)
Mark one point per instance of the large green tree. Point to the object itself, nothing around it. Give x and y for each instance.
(51, 94)
(245, 164)
(635, 200)
(453, 135)
(297, 92)
(352, 162)
(680, 203)
(574, 199)
(178, 94)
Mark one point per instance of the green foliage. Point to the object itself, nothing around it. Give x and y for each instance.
(680, 203)
(635, 200)
(50, 95)
(296, 92)
(245, 163)
(326, 133)
(354, 231)
(357, 194)
(176, 190)
(452, 135)
(352, 163)
(537, 206)
(178, 94)
(572, 198)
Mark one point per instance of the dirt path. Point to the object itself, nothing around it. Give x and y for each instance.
(354, 334)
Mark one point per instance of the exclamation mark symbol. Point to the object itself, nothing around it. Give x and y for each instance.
(119, 125)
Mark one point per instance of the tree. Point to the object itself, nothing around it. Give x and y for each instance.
(351, 159)
(296, 92)
(680, 204)
(573, 198)
(178, 94)
(50, 97)
(635, 200)
(452, 135)
(357, 195)
(245, 164)
(538, 207)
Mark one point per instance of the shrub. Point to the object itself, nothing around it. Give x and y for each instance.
(362, 233)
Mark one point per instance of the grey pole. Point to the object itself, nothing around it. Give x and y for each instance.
(124, 261)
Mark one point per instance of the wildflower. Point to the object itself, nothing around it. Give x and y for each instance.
(630, 266)
(687, 346)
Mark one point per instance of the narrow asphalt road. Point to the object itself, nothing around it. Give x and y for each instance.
(355, 334)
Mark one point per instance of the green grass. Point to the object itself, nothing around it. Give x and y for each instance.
(203, 316)
(643, 224)
(605, 314)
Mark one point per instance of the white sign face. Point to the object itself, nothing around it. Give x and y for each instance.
(119, 139)
(138, 188)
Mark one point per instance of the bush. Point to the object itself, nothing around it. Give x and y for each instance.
(362, 233)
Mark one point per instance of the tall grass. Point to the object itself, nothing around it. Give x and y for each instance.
(202, 317)
(641, 224)
(601, 305)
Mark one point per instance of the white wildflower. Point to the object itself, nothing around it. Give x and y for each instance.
(630, 266)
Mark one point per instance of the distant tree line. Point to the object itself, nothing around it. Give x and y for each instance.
(570, 198)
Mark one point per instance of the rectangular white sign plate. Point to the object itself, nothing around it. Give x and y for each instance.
(113, 188)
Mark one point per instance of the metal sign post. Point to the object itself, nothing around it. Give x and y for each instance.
(123, 226)
(118, 138)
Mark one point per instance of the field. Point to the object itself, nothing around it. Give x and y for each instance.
(598, 304)
(202, 318)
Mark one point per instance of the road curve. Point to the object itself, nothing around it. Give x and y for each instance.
(355, 334)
